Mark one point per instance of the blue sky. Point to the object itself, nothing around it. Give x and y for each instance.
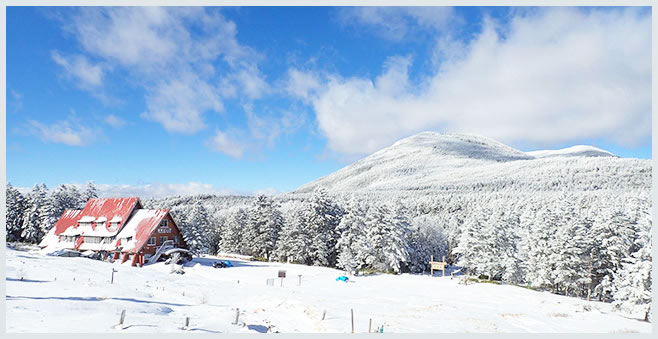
(256, 99)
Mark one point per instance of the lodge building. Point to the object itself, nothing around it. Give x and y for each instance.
(116, 227)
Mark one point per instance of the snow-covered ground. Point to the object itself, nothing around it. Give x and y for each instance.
(59, 294)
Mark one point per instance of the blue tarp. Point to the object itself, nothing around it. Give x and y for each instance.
(342, 278)
(228, 263)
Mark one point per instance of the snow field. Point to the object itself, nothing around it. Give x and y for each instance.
(48, 299)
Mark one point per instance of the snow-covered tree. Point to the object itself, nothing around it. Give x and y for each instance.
(16, 205)
(90, 192)
(196, 225)
(614, 236)
(231, 240)
(632, 283)
(427, 239)
(322, 218)
(294, 243)
(350, 230)
(265, 222)
(31, 229)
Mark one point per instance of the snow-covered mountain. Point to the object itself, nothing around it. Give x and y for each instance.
(432, 161)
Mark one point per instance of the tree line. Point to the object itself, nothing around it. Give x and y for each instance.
(594, 245)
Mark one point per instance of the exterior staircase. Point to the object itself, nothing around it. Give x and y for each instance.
(167, 245)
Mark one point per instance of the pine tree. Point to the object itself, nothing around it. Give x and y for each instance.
(265, 221)
(542, 246)
(323, 217)
(472, 245)
(294, 243)
(48, 213)
(632, 290)
(90, 192)
(31, 229)
(350, 229)
(196, 229)
(16, 205)
(231, 233)
(614, 238)
(427, 239)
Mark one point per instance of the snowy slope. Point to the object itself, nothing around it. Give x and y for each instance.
(434, 161)
(74, 295)
(573, 151)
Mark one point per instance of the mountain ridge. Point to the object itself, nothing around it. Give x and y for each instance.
(431, 161)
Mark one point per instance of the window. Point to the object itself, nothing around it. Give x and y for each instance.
(152, 241)
(163, 239)
(163, 223)
(175, 240)
(164, 230)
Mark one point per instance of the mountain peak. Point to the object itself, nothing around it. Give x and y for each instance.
(439, 161)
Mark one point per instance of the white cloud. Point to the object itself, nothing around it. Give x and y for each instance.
(262, 130)
(225, 142)
(114, 121)
(156, 190)
(549, 76)
(159, 190)
(186, 58)
(78, 68)
(397, 23)
(68, 132)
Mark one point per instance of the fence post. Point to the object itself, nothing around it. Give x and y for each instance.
(352, 311)
(369, 325)
(112, 280)
(324, 313)
(237, 315)
(122, 318)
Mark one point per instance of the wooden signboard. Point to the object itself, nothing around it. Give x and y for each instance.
(437, 265)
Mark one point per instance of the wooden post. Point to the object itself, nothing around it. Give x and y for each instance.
(187, 323)
(431, 267)
(281, 282)
(369, 325)
(237, 315)
(112, 280)
(352, 311)
(300, 280)
(122, 318)
(324, 313)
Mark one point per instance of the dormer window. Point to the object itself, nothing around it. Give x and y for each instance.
(86, 221)
(100, 222)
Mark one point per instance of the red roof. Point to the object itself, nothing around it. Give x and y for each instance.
(69, 218)
(140, 227)
(110, 207)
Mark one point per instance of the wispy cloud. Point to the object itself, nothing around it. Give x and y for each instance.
(262, 131)
(16, 100)
(227, 143)
(397, 23)
(114, 121)
(546, 77)
(69, 132)
(187, 59)
(80, 69)
(160, 190)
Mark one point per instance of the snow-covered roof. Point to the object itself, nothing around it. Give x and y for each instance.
(101, 219)
(68, 219)
(116, 218)
(71, 231)
(87, 218)
(140, 227)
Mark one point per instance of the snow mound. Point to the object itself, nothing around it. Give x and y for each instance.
(573, 151)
